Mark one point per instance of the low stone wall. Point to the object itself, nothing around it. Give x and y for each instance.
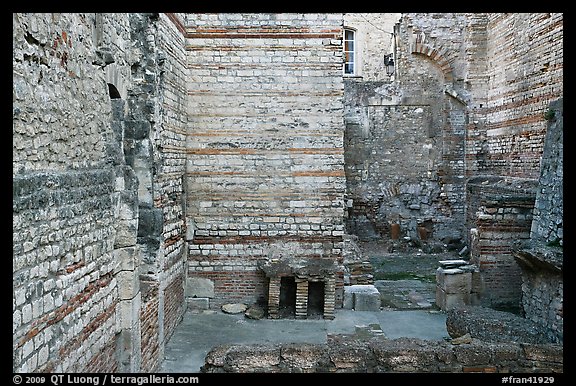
(380, 355)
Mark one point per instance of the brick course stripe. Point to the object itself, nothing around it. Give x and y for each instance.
(201, 240)
(242, 151)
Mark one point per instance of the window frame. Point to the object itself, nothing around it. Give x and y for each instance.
(353, 52)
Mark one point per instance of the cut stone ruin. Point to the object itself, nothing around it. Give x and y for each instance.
(458, 283)
(361, 297)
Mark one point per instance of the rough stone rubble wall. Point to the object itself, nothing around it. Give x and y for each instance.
(265, 172)
(79, 231)
(405, 135)
(64, 271)
(548, 224)
(159, 109)
(543, 290)
(402, 355)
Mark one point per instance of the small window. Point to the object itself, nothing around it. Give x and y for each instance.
(349, 52)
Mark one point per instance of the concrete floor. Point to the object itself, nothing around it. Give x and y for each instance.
(200, 331)
(406, 282)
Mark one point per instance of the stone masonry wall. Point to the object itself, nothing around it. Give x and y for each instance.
(98, 169)
(402, 355)
(405, 135)
(374, 39)
(501, 213)
(548, 224)
(505, 140)
(265, 159)
(64, 198)
(542, 258)
(168, 139)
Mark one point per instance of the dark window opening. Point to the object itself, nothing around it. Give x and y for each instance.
(287, 300)
(315, 299)
(113, 91)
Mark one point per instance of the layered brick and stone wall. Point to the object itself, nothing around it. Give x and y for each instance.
(64, 198)
(453, 141)
(159, 108)
(505, 140)
(524, 73)
(501, 210)
(98, 167)
(405, 134)
(265, 172)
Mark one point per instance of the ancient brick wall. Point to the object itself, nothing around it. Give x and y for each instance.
(64, 271)
(174, 304)
(524, 58)
(505, 139)
(265, 154)
(171, 167)
(501, 215)
(99, 133)
(151, 336)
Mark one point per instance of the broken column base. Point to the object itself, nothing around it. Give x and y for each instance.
(361, 297)
(457, 284)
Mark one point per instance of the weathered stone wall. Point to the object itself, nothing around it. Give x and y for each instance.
(64, 197)
(98, 166)
(505, 141)
(466, 107)
(265, 168)
(490, 325)
(160, 162)
(380, 355)
(524, 73)
(542, 258)
(548, 222)
(405, 135)
(501, 210)
(150, 327)
(374, 39)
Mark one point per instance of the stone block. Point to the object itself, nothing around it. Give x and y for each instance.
(364, 297)
(129, 312)
(367, 301)
(447, 301)
(128, 284)
(199, 303)
(128, 258)
(476, 282)
(128, 205)
(348, 300)
(454, 280)
(234, 308)
(126, 232)
(199, 287)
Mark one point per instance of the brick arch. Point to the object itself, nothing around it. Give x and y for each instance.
(437, 54)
